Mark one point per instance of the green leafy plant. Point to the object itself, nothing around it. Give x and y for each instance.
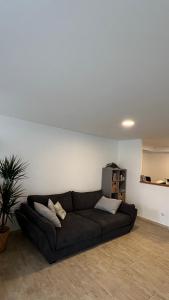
(12, 171)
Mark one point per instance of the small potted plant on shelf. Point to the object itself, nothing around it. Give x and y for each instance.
(12, 171)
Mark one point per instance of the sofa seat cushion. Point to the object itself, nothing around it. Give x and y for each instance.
(107, 221)
(76, 228)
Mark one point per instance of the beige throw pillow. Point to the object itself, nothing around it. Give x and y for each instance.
(51, 206)
(60, 212)
(47, 213)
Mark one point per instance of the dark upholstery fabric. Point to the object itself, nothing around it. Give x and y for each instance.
(116, 233)
(85, 200)
(107, 221)
(46, 226)
(81, 229)
(65, 200)
(85, 244)
(39, 240)
(76, 247)
(37, 236)
(128, 209)
(75, 229)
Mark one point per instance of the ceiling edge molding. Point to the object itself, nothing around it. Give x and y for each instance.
(156, 149)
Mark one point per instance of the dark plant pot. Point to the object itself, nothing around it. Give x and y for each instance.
(4, 235)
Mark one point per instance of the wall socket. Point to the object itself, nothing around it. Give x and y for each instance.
(162, 214)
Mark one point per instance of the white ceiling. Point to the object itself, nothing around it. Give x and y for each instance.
(86, 65)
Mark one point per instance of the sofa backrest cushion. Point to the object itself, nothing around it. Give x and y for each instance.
(85, 200)
(64, 199)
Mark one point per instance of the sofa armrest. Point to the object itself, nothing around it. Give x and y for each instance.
(42, 223)
(128, 209)
(36, 235)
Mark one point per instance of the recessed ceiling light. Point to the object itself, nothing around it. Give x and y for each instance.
(128, 123)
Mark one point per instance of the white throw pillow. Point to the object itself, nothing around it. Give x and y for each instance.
(51, 206)
(47, 213)
(60, 212)
(108, 204)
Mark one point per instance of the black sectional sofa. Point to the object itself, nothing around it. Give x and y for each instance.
(83, 227)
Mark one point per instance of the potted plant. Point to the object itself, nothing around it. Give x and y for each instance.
(12, 170)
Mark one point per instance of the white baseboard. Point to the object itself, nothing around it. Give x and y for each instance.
(153, 222)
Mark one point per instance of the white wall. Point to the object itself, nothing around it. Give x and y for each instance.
(59, 160)
(155, 165)
(151, 201)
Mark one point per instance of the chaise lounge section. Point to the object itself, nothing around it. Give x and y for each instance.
(83, 227)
